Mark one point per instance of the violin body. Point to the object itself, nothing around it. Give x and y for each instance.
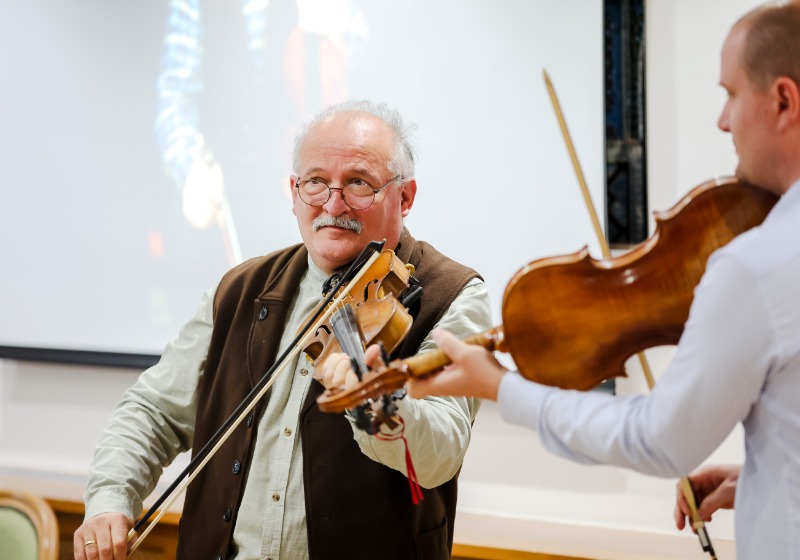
(380, 317)
(572, 321)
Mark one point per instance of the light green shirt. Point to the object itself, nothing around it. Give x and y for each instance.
(271, 519)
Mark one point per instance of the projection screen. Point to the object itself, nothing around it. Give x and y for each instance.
(146, 146)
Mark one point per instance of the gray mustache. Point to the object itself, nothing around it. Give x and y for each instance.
(337, 221)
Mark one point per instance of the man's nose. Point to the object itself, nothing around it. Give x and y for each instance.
(336, 206)
(722, 121)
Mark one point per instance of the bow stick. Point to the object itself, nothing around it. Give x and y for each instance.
(356, 271)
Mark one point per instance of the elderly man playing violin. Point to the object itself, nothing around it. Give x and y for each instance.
(738, 359)
(292, 482)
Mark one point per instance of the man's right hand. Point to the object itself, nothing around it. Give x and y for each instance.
(714, 488)
(474, 371)
(104, 537)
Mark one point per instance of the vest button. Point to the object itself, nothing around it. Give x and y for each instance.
(263, 314)
(237, 467)
(218, 557)
(226, 515)
(304, 372)
(276, 497)
(250, 420)
(287, 431)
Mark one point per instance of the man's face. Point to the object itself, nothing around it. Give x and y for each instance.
(746, 115)
(338, 151)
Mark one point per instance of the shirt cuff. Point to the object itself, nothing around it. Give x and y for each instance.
(109, 501)
(520, 401)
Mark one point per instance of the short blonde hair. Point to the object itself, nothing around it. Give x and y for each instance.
(772, 43)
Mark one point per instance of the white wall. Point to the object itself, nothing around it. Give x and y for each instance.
(83, 154)
(513, 494)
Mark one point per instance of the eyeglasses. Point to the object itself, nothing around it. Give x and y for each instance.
(357, 194)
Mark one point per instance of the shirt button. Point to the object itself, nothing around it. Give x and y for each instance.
(237, 466)
(263, 314)
(227, 514)
(304, 372)
(276, 497)
(287, 431)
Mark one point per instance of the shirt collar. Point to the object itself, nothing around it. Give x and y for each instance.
(787, 202)
(315, 274)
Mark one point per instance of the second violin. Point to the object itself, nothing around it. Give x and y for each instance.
(572, 321)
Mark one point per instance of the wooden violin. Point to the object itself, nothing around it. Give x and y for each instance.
(378, 315)
(572, 321)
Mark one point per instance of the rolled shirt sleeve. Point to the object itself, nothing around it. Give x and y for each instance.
(437, 429)
(152, 424)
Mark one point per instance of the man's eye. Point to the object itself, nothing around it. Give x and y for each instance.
(315, 181)
(359, 183)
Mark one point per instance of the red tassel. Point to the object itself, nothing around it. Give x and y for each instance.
(413, 483)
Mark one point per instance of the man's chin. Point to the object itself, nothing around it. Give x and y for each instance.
(339, 252)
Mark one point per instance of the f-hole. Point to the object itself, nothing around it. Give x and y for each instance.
(366, 290)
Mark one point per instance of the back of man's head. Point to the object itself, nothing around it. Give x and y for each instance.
(772, 44)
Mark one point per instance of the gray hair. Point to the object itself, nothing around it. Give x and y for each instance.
(402, 162)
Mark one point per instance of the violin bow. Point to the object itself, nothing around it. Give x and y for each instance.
(686, 486)
(324, 310)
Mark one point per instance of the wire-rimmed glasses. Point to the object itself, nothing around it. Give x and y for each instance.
(358, 194)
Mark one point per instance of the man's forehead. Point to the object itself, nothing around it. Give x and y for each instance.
(361, 134)
(356, 167)
(731, 56)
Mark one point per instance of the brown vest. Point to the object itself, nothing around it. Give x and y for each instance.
(355, 507)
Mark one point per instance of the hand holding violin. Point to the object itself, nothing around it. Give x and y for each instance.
(337, 372)
(474, 371)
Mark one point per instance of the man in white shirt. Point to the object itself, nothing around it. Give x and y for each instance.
(739, 356)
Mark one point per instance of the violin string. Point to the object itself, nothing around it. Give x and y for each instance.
(345, 327)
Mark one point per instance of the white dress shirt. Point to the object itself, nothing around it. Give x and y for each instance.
(738, 360)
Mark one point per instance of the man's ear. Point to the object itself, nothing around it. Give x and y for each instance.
(292, 183)
(787, 96)
(407, 196)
